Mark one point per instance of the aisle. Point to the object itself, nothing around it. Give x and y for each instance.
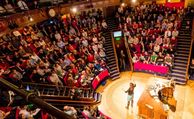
(114, 99)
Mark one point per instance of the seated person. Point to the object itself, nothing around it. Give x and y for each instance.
(168, 60)
(70, 111)
(147, 58)
(2, 10)
(142, 58)
(153, 58)
(55, 79)
(160, 59)
(97, 66)
(104, 24)
(135, 58)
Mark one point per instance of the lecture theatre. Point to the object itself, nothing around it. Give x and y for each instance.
(96, 59)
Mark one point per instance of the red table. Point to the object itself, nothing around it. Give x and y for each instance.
(138, 66)
(175, 4)
(98, 79)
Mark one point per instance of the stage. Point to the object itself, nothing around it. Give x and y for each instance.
(114, 99)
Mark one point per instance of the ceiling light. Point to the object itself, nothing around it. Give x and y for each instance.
(74, 10)
(134, 1)
(123, 4)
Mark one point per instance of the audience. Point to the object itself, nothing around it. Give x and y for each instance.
(151, 31)
(74, 53)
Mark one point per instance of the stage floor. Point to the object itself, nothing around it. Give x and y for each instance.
(114, 99)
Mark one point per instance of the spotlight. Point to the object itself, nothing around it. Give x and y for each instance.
(74, 10)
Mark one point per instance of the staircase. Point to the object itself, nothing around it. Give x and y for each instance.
(111, 62)
(62, 97)
(181, 57)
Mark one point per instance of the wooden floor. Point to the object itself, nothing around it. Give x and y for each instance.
(114, 99)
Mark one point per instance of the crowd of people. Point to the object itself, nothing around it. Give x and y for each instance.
(64, 52)
(13, 6)
(151, 31)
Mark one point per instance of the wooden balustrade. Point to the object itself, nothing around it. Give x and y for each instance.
(129, 54)
(190, 52)
(115, 53)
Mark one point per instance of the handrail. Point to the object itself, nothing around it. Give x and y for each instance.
(128, 53)
(190, 51)
(31, 97)
(115, 53)
(51, 85)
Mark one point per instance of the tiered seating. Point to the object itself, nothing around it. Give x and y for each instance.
(67, 52)
(152, 32)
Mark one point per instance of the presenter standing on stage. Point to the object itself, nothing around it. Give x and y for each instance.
(130, 96)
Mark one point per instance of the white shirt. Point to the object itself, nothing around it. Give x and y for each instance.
(167, 34)
(175, 33)
(54, 78)
(2, 10)
(22, 5)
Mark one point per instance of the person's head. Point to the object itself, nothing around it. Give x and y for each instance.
(131, 84)
(66, 108)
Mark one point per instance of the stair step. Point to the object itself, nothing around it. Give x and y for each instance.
(184, 43)
(181, 54)
(179, 78)
(179, 71)
(178, 75)
(179, 68)
(182, 33)
(179, 64)
(184, 37)
(110, 63)
(108, 41)
(181, 48)
(109, 49)
(115, 77)
(110, 52)
(112, 60)
(112, 66)
(110, 56)
(183, 58)
(113, 72)
(181, 61)
(184, 40)
(183, 51)
(108, 46)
